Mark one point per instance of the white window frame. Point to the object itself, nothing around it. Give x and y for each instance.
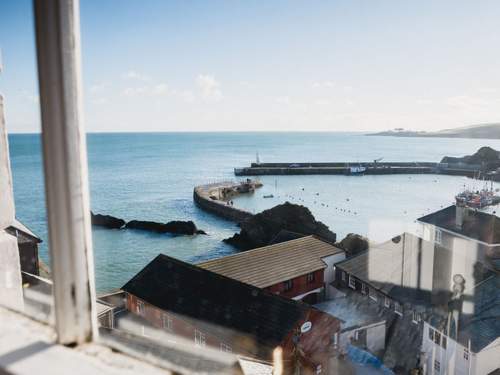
(387, 302)
(57, 25)
(166, 321)
(225, 348)
(140, 308)
(372, 293)
(398, 308)
(437, 366)
(200, 340)
(310, 278)
(438, 236)
(352, 282)
(287, 285)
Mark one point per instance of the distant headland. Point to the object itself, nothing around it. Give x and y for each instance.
(489, 131)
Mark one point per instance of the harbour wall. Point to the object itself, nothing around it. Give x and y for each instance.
(342, 168)
(201, 197)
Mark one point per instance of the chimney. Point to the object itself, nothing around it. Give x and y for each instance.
(460, 213)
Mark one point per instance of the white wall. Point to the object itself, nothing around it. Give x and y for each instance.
(452, 359)
(330, 261)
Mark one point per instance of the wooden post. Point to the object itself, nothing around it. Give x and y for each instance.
(65, 165)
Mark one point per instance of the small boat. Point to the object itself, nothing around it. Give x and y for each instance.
(356, 170)
(268, 196)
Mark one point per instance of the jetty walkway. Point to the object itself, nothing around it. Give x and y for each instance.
(216, 198)
(343, 168)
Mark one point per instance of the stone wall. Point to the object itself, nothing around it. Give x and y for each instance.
(201, 196)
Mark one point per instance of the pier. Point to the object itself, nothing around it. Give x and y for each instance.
(216, 198)
(343, 168)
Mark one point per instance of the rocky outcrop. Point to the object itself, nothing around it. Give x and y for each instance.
(354, 244)
(485, 156)
(174, 227)
(259, 230)
(106, 221)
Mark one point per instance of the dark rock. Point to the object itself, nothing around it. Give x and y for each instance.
(262, 228)
(106, 221)
(354, 244)
(174, 227)
(485, 156)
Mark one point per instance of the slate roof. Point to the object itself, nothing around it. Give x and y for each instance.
(478, 225)
(190, 291)
(27, 233)
(270, 265)
(394, 269)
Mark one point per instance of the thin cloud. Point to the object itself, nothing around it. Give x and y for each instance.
(209, 87)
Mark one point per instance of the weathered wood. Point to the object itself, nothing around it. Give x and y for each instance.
(65, 169)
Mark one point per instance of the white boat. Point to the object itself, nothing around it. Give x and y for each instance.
(356, 170)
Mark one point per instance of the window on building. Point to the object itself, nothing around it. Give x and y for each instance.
(225, 348)
(466, 354)
(398, 308)
(166, 321)
(444, 342)
(310, 278)
(364, 288)
(387, 302)
(437, 337)
(416, 317)
(140, 309)
(372, 293)
(352, 282)
(431, 334)
(344, 276)
(199, 338)
(437, 366)
(287, 285)
(438, 237)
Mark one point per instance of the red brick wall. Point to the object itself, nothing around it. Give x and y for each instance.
(179, 326)
(300, 285)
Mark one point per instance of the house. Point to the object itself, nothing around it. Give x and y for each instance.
(27, 243)
(424, 282)
(215, 311)
(468, 232)
(301, 269)
(362, 324)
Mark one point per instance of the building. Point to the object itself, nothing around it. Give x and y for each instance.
(301, 269)
(27, 243)
(424, 283)
(215, 311)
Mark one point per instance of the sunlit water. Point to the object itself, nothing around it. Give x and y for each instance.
(151, 177)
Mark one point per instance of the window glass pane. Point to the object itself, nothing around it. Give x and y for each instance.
(256, 175)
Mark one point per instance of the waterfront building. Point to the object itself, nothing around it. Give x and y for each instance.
(433, 287)
(215, 311)
(27, 243)
(301, 269)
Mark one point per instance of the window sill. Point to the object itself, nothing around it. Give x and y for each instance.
(28, 347)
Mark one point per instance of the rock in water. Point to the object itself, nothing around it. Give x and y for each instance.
(174, 227)
(354, 244)
(106, 221)
(262, 228)
(485, 156)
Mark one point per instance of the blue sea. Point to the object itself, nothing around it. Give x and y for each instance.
(150, 176)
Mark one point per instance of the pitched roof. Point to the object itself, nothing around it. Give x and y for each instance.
(17, 225)
(212, 299)
(477, 225)
(269, 265)
(412, 270)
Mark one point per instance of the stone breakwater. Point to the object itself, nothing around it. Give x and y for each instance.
(215, 198)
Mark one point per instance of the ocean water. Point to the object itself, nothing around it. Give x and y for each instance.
(150, 176)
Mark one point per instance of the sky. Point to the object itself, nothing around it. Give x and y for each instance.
(345, 65)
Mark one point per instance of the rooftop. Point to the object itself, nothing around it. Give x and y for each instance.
(478, 225)
(420, 273)
(269, 265)
(213, 299)
(18, 226)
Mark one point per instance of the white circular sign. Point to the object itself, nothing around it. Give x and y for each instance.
(306, 327)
